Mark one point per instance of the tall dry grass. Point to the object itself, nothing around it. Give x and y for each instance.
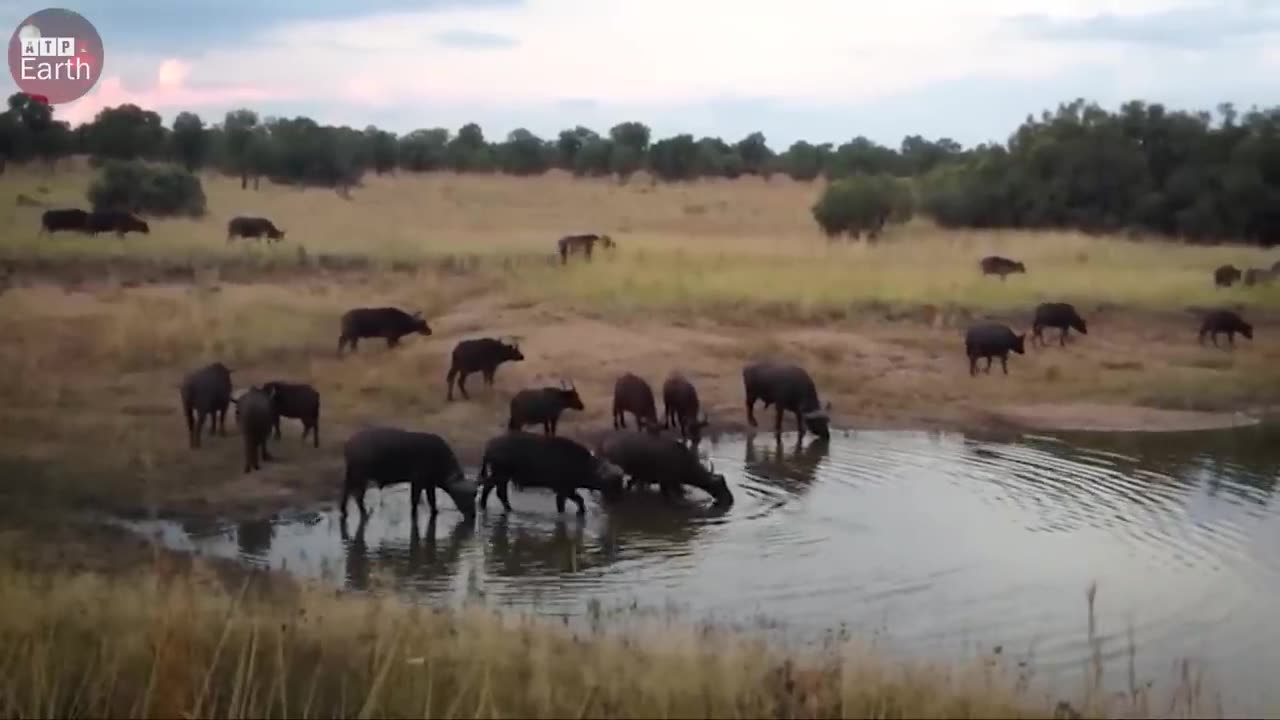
(156, 644)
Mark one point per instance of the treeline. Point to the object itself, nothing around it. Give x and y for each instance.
(1144, 167)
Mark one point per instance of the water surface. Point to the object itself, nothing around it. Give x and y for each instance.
(942, 542)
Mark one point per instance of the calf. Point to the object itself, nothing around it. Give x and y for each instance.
(116, 221)
(1224, 321)
(1002, 266)
(650, 459)
(560, 464)
(52, 221)
(991, 340)
(253, 227)
(389, 456)
(581, 243)
(680, 407)
(298, 401)
(543, 405)
(482, 355)
(789, 389)
(631, 394)
(205, 392)
(255, 413)
(1056, 315)
(1226, 275)
(380, 322)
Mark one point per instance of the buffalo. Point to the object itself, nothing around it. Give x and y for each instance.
(583, 243)
(681, 406)
(1056, 315)
(253, 227)
(1226, 275)
(1258, 276)
(380, 322)
(789, 389)
(52, 221)
(666, 462)
(631, 394)
(1224, 321)
(389, 456)
(255, 414)
(116, 221)
(560, 464)
(482, 355)
(543, 405)
(990, 340)
(299, 401)
(1002, 266)
(206, 392)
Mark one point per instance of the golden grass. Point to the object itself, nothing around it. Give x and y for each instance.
(163, 644)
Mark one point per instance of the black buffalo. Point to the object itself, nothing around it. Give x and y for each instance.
(390, 456)
(560, 464)
(255, 414)
(1002, 266)
(380, 322)
(680, 407)
(1224, 321)
(1056, 315)
(75, 219)
(666, 462)
(789, 389)
(990, 340)
(1258, 276)
(631, 394)
(482, 355)
(543, 405)
(116, 221)
(205, 392)
(299, 401)
(252, 227)
(583, 243)
(1226, 275)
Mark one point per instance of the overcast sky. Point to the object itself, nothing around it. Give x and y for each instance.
(820, 70)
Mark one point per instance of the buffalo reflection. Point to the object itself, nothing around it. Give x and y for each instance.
(795, 472)
(419, 563)
(253, 537)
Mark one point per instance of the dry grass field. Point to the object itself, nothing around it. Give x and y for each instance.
(707, 276)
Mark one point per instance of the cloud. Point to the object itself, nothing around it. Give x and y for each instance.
(474, 39)
(1197, 27)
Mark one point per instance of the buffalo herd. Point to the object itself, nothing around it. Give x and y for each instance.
(655, 452)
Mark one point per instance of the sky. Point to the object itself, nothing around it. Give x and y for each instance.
(817, 70)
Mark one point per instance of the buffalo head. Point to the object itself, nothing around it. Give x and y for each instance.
(569, 396)
(511, 350)
(716, 483)
(610, 478)
(818, 421)
(419, 324)
(463, 493)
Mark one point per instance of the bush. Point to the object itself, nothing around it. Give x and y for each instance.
(150, 189)
(862, 203)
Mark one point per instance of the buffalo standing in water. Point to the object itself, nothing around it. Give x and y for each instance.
(389, 456)
(666, 462)
(560, 464)
(789, 389)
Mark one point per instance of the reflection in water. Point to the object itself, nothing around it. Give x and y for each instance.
(940, 539)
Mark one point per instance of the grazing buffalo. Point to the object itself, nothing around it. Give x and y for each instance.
(543, 405)
(1258, 276)
(789, 389)
(299, 401)
(584, 243)
(116, 221)
(253, 227)
(680, 407)
(482, 355)
(631, 394)
(390, 456)
(380, 322)
(255, 414)
(52, 221)
(1056, 315)
(560, 464)
(1224, 321)
(1002, 266)
(1226, 275)
(205, 392)
(666, 462)
(989, 340)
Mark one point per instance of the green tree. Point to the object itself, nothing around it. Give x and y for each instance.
(190, 142)
(239, 127)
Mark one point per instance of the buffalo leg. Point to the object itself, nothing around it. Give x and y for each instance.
(973, 365)
(502, 494)
(1036, 337)
(751, 415)
(266, 456)
(777, 420)
(989, 359)
(448, 382)
(1231, 338)
(200, 417)
(315, 432)
(799, 426)
(276, 423)
(488, 376)
(1062, 339)
(250, 455)
(619, 419)
(1004, 363)
(462, 386)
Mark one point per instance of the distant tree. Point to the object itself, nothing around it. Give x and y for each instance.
(239, 126)
(126, 132)
(165, 190)
(190, 142)
(862, 203)
(383, 149)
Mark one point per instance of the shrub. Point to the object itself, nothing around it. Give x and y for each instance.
(862, 203)
(151, 189)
